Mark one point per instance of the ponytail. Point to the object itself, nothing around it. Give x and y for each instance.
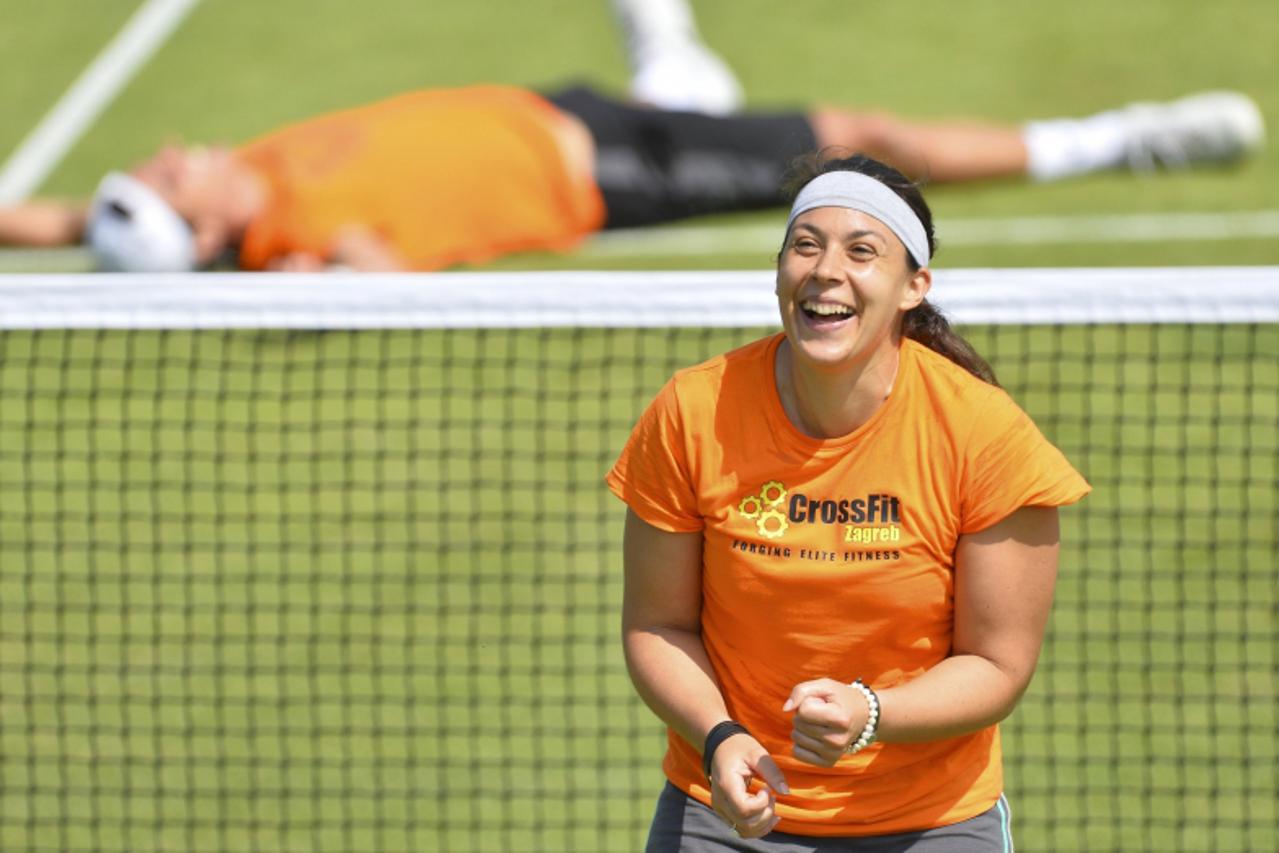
(923, 323)
(928, 326)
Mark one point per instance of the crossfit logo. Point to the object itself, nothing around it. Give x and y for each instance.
(765, 510)
(866, 528)
(866, 520)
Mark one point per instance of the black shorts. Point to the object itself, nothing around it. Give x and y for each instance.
(683, 825)
(657, 165)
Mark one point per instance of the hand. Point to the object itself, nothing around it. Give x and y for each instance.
(829, 715)
(737, 763)
(363, 249)
(297, 262)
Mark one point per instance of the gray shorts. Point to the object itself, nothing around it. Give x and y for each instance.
(683, 824)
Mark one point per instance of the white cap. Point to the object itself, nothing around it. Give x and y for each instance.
(132, 229)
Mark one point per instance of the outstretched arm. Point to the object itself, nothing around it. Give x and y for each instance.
(361, 248)
(354, 248)
(1004, 579)
(662, 638)
(42, 223)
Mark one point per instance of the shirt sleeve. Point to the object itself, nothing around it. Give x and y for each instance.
(652, 474)
(1009, 464)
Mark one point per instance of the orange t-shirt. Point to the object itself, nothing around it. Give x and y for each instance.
(446, 176)
(835, 558)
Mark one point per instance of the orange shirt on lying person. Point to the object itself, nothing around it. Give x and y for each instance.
(835, 558)
(445, 176)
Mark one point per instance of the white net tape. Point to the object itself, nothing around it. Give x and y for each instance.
(612, 299)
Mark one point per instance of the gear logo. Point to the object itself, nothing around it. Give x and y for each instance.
(764, 510)
(772, 524)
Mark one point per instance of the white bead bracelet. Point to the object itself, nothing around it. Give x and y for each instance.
(871, 730)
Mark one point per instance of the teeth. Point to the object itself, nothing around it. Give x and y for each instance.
(827, 309)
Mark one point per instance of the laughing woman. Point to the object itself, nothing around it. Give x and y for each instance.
(840, 553)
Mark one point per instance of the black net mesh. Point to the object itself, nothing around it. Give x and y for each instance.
(360, 590)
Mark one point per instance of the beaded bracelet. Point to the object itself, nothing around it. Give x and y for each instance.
(871, 730)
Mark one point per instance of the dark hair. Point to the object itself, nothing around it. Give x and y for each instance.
(923, 323)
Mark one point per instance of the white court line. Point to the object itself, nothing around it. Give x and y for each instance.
(691, 240)
(88, 96)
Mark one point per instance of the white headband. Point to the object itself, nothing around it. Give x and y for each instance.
(132, 229)
(856, 191)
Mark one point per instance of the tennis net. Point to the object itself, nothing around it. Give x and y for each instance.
(326, 563)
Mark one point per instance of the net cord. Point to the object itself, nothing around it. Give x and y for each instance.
(704, 299)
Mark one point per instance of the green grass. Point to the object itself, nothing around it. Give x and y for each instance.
(345, 591)
(238, 68)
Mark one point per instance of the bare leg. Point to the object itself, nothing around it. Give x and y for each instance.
(1209, 127)
(940, 151)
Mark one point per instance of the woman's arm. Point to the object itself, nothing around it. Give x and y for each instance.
(42, 223)
(661, 629)
(363, 249)
(354, 248)
(1004, 579)
(662, 639)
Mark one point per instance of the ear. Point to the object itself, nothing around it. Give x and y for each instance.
(917, 288)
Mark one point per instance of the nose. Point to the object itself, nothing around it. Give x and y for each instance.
(829, 266)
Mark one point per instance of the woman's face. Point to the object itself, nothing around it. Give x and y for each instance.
(194, 181)
(843, 281)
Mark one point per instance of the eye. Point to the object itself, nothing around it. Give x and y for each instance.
(804, 245)
(862, 251)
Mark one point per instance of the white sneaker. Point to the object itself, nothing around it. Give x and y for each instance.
(686, 76)
(1211, 127)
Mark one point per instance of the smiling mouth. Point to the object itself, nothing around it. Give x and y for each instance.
(822, 313)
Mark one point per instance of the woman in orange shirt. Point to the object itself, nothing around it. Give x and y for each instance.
(840, 554)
